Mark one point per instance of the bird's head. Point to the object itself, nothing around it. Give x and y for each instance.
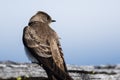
(41, 16)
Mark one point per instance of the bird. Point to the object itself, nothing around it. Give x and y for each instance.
(43, 47)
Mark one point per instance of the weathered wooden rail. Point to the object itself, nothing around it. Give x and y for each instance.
(28, 71)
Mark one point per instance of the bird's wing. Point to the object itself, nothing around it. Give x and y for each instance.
(53, 62)
(32, 41)
(57, 53)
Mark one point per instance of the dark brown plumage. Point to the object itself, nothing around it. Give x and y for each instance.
(43, 47)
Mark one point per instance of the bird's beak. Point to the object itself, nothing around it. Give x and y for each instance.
(53, 20)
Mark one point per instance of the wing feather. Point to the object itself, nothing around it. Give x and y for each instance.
(57, 53)
(31, 40)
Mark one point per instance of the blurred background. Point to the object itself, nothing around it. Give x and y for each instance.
(89, 29)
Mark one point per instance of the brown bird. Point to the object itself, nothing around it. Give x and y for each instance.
(43, 47)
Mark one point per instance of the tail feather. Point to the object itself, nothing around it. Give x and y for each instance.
(53, 71)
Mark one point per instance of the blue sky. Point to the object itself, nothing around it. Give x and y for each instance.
(89, 29)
